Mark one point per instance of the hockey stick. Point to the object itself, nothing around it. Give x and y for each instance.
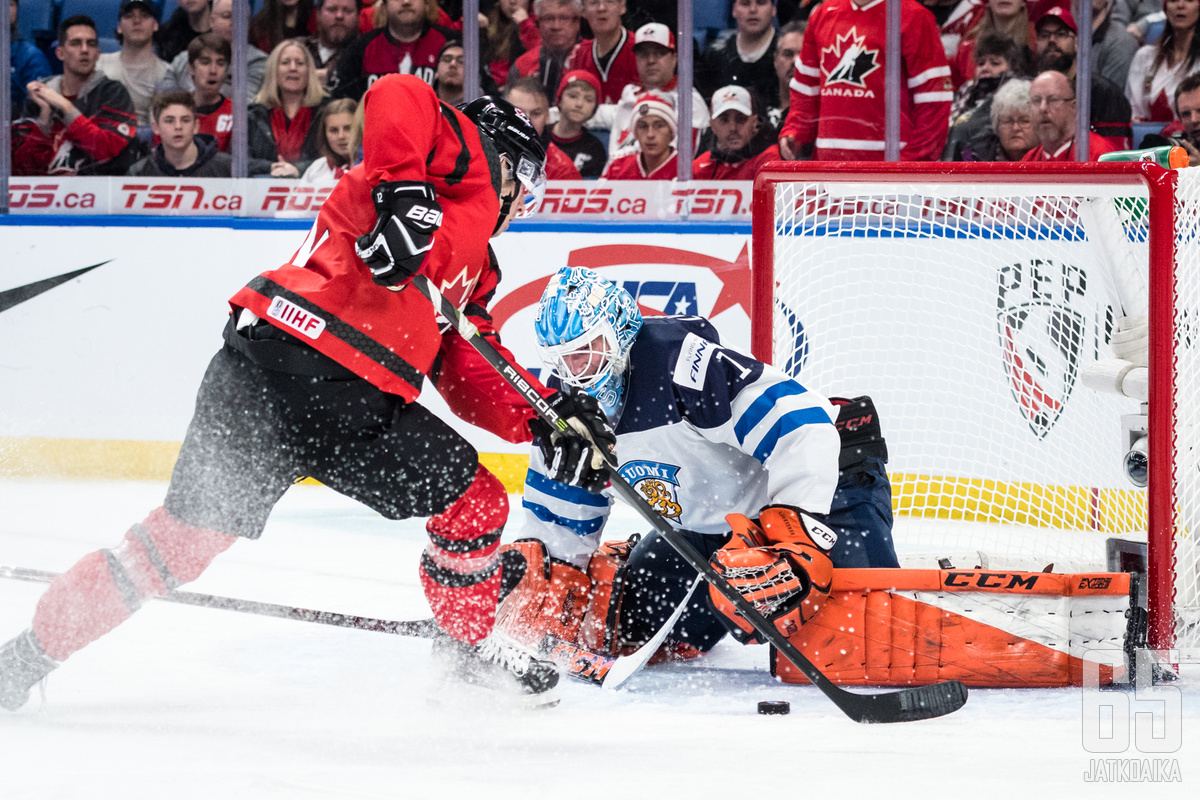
(922, 702)
(626, 667)
(422, 628)
(581, 664)
(610, 672)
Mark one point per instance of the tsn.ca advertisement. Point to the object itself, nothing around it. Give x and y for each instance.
(648, 201)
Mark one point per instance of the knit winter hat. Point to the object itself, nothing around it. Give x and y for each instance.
(577, 75)
(654, 105)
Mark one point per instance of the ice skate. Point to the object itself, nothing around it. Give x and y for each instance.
(22, 664)
(510, 673)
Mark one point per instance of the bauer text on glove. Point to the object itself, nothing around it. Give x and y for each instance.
(408, 217)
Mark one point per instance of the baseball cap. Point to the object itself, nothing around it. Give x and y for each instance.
(129, 5)
(729, 97)
(574, 76)
(1061, 14)
(654, 105)
(654, 33)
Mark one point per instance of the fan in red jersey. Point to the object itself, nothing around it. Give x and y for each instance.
(653, 130)
(323, 361)
(837, 108)
(609, 54)
(408, 43)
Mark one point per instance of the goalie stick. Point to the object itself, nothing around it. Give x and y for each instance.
(595, 668)
(922, 702)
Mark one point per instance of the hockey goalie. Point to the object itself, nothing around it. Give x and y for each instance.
(785, 491)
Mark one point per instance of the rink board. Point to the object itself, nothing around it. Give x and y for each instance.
(103, 380)
(102, 370)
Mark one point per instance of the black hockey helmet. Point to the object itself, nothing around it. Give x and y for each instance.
(515, 137)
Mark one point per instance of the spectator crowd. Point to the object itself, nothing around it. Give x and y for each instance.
(982, 80)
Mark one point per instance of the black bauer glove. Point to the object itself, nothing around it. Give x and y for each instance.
(395, 248)
(577, 457)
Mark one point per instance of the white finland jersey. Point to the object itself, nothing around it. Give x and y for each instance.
(705, 431)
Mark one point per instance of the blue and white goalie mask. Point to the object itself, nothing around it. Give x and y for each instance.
(585, 328)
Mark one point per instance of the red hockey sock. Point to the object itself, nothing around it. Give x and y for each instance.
(460, 569)
(104, 588)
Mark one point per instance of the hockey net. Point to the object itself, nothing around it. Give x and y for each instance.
(967, 304)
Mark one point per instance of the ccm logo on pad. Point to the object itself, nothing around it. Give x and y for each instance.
(296, 318)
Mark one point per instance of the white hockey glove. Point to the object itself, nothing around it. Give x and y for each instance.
(578, 457)
(409, 215)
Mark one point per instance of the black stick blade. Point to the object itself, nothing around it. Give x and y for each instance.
(905, 705)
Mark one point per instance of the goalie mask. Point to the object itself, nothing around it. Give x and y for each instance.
(585, 327)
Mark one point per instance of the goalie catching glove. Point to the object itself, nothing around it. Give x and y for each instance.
(579, 456)
(409, 215)
(779, 563)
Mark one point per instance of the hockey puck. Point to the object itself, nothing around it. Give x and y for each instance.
(774, 707)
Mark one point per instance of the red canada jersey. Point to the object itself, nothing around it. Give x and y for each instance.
(622, 67)
(217, 123)
(1097, 146)
(837, 89)
(325, 295)
(630, 168)
(375, 54)
(706, 168)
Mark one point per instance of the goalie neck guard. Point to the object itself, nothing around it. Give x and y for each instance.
(585, 327)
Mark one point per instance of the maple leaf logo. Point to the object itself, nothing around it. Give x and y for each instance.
(458, 289)
(852, 61)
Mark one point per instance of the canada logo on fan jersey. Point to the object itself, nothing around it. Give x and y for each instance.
(1043, 326)
(657, 482)
(848, 61)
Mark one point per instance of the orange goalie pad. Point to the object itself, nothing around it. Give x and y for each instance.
(897, 627)
(550, 598)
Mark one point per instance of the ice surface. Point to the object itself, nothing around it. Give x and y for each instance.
(184, 702)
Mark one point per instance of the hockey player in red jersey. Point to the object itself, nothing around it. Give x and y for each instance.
(837, 108)
(323, 361)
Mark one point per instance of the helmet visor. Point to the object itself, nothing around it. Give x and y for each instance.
(533, 177)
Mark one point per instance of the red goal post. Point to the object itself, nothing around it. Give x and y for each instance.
(967, 299)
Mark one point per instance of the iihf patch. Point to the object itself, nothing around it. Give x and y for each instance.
(657, 482)
(1041, 336)
(296, 318)
(692, 364)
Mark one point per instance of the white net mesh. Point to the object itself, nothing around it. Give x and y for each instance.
(968, 313)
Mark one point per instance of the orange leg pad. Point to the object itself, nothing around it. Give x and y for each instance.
(982, 628)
